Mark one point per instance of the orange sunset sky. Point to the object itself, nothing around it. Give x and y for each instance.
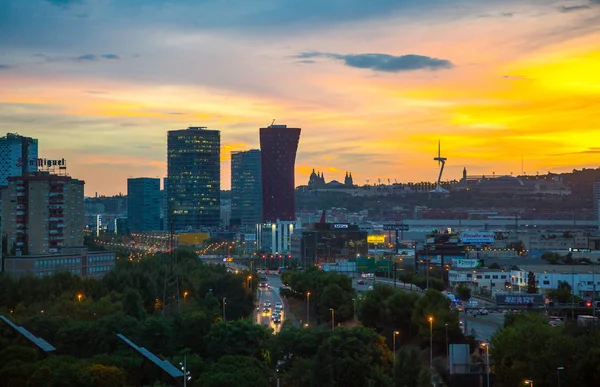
(373, 84)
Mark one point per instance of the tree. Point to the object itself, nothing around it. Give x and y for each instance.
(531, 283)
(234, 371)
(463, 292)
(409, 365)
(105, 376)
(238, 338)
(132, 304)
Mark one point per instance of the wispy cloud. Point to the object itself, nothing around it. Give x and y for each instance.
(65, 3)
(573, 8)
(4, 67)
(383, 62)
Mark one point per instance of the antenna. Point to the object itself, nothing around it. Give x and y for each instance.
(522, 173)
(273, 122)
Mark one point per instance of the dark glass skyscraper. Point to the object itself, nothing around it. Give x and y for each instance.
(18, 156)
(278, 145)
(143, 204)
(193, 178)
(246, 188)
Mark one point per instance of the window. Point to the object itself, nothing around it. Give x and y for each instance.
(546, 282)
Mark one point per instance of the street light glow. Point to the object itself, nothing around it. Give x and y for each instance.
(430, 319)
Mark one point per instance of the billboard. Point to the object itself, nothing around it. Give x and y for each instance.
(462, 263)
(249, 237)
(519, 299)
(375, 239)
(477, 237)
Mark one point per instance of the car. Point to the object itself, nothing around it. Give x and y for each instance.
(266, 311)
(483, 312)
(267, 304)
(370, 287)
(360, 282)
(277, 320)
(278, 303)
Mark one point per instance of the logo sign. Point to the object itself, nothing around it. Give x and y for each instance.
(519, 300)
(477, 237)
(340, 225)
(395, 226)
(374, 239)
(249, 237)
(44, 163)
(466, 263)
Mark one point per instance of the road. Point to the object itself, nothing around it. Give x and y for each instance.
(270, 294)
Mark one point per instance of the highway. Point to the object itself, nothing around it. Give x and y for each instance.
(270, 294)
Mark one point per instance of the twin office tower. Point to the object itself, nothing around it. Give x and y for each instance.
(262, 181)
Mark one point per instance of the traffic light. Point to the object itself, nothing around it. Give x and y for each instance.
(289, 255)
(588, 304)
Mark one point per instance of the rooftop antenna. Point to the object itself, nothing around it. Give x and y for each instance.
(273, 122)
(441, 162)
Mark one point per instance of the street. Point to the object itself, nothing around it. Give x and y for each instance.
(270, 294)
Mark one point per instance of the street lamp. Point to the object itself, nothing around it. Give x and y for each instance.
(224, 303)
(558, 369)
(487, 362)
(332, 318)
(249, 282)
(185, 294)
(447, 347)
(396, 333)
(354, 308)
(529, 381)
(308, 309)
(79, 297)
(186, 373)
(430, 341)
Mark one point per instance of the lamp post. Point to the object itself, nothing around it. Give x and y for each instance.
(396, 333)
(447, 347)
(249, 282)
(487, 362)
(186, 373)
(332, 318)
(308, 309)
(224, 303)
(558, 369)
(79, 297)
(354, 308)
(430, 342)
(530, 382)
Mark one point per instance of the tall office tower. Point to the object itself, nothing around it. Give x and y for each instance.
(246, 188)
(18, 155)
(143, 204)
(43, 213)
(194, 178)
(278, 145)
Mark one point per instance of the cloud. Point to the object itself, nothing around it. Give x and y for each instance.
(110, 56)
(64, 3)
(86, 57)
(5, 67)
(515, 77)
(573, 8)
(589, 151)
(384, 62)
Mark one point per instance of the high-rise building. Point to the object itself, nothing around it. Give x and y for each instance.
(278, 145)
(194, 178)
(18, 156)
(143, 204)
(43, 214)
(246, 188)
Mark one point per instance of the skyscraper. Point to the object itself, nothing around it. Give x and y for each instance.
(246, 188)
(18, 156)
(43, 213)
(278, 145)
(193, 178)
(143, 204)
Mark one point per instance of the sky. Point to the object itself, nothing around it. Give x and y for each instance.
(505, 86)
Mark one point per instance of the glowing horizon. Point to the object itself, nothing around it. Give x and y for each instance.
(372, 85)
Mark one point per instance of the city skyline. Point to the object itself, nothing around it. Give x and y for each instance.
(372, 85)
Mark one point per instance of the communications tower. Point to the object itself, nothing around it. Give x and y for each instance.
(441, 163)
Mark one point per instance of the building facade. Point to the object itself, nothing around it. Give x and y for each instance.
(43, 213)
(328, 243)
(143, 204)
(194, 178)
(79, 262)
(596, 199)
(278, 145)
(18, 156)
(246, 188)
